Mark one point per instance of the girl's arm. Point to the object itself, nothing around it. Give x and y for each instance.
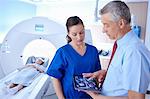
(58, 88)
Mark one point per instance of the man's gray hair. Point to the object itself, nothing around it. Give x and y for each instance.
(117, 9)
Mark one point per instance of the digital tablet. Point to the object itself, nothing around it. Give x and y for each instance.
(82, 83)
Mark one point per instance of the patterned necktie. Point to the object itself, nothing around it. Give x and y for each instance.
(112, 55)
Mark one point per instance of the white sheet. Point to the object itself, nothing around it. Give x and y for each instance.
(34, 91)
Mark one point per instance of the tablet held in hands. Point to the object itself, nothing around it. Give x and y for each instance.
(82, 83)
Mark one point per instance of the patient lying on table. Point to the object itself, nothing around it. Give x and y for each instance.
(25, 76)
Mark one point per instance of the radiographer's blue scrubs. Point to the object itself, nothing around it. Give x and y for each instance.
(67, 62)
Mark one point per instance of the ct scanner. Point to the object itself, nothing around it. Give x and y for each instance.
(36, 28)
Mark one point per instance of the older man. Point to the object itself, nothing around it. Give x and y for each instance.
(128, 73)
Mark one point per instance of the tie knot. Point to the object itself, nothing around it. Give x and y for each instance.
(115, 45)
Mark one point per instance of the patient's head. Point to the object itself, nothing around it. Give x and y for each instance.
(39, 61)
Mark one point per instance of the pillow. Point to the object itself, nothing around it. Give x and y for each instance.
(32, 59)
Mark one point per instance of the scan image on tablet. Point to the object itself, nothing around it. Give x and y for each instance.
(82, 83)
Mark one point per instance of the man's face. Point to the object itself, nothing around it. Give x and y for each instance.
(110, 27)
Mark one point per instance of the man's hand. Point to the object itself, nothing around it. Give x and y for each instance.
(93, 94)
(99, 75)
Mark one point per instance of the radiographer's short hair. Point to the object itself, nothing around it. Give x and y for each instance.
(118, 9)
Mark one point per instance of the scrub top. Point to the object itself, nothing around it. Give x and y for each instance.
(129, 68)
(67, 62)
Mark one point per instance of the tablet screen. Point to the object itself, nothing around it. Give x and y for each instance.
(82, 83)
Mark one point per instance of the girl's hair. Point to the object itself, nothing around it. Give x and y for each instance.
(71, 21)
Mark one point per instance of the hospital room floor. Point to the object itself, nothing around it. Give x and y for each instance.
(55, 97)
